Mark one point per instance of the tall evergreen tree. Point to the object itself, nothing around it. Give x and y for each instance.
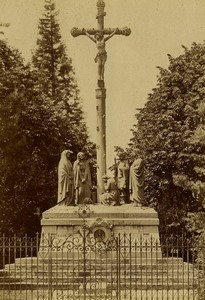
(56, 74)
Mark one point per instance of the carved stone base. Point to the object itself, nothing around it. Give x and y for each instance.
(125, 219)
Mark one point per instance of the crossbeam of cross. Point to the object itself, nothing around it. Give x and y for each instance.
(124, 31)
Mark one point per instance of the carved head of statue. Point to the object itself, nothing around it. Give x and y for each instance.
(105, 178)
(66, 154)
(137, 153)
(121, 156)
(81, 156)
(113, 170)
(98, 36)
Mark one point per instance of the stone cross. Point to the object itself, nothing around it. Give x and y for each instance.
(99, 36)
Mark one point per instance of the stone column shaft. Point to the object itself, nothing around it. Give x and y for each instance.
(101, 138)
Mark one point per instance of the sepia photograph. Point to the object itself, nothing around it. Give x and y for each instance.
(102, 150)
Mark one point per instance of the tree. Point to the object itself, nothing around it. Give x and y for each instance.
(13, 137)
(41, 115)
(169, 132)
(58, 84)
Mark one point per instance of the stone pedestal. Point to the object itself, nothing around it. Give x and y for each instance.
(113, 227)
(137, 221)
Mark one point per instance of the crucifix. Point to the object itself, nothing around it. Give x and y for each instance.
(99, 36)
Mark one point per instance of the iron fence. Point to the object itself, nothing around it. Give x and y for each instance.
(81, 266)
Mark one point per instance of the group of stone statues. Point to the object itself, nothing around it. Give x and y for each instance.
(74, 182)
(125, 184)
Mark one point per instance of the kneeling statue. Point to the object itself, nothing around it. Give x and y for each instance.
(112, 194)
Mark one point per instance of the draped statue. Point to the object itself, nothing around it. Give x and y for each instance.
(82, 179)
(65, 179)
(136, 184)
(112, 194)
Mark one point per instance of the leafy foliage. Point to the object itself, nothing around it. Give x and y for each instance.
(13, 137)
(170, 134)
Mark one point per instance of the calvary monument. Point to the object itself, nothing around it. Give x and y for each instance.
(120, 207)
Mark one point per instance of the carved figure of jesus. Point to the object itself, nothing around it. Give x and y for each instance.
(101, 56)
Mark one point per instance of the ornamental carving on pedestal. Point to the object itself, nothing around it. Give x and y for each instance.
(101, 230)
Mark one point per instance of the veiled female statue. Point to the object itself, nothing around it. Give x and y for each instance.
(136, 184)
(65, 179)
(123, 178)
(82, 179)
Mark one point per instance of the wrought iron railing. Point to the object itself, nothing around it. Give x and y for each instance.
(83, 266)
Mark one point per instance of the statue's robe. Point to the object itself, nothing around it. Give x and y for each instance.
(65, 180)
(136, 182)
(112, 194)
(82, 181)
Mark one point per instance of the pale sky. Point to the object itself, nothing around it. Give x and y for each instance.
(158, 27)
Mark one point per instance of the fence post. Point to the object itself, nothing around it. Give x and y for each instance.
(3, 266)
(84, 261)
(118, 239)
(49, 267)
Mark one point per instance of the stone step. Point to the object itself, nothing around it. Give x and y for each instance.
(134, 274)
(154, 286)
(112, 261)
(42, 277)
(137, 281)
(69, 273)
(69, 258)
(33, 285)
(139, 256)
(134, 267)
